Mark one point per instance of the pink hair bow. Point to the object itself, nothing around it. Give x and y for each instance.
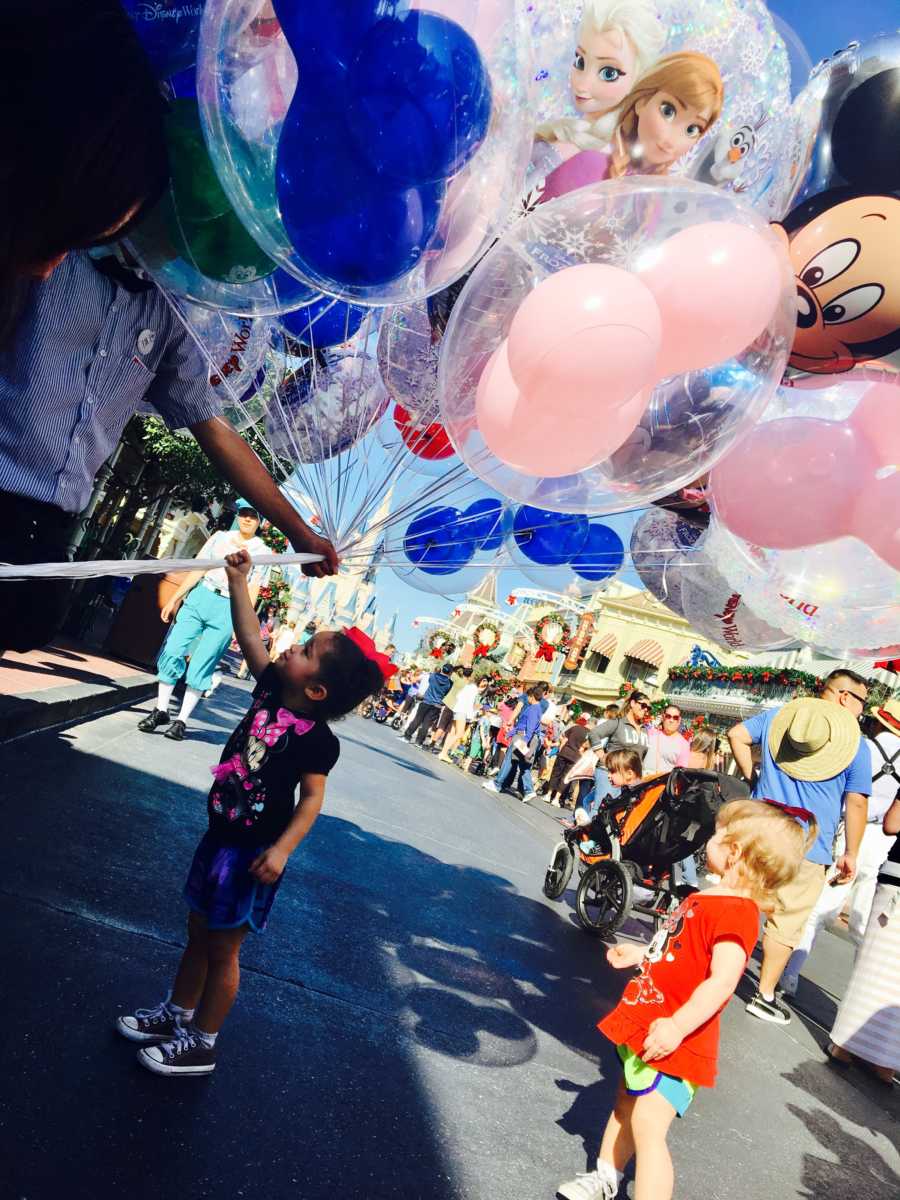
(365, 643)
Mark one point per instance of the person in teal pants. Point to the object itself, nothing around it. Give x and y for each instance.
(202, 627)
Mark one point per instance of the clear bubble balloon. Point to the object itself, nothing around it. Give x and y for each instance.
(672, 432)
(748, 150)
(238, 350)
(326, 404)
(373, 151)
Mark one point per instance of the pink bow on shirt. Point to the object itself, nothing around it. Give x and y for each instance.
(231, 766)
(284, 720)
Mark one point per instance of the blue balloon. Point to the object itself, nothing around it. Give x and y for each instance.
(549, 538)
(325, 322)
(168, 30)
(342, 220)
(435, 542)
(421, 102)
(482, 521)
(602, 555)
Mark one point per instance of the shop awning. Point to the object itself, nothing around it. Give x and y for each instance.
(605, 644)
(647, 651)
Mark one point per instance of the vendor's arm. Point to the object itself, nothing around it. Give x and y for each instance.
(269, 866)
(244, 620)
(235, 459)
(665, 1035)
(740, 739)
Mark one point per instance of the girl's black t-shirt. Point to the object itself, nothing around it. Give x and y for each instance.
(252, 800)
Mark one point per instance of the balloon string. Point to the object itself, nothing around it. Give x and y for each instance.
(96, 568)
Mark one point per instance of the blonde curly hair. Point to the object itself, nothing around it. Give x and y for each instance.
(772, 845)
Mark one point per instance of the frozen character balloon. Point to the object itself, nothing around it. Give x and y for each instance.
(662, 118)
(618, 40)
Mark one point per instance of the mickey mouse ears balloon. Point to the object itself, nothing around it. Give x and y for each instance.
(372, 148)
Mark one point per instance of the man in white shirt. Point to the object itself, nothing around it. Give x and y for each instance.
(882, 734)
(203, 624)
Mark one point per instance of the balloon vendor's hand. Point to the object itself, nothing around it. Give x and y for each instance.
(268, 867)
(663, 1038)
(237, 565)
(623, 955)
(311, 543)
(169, 609)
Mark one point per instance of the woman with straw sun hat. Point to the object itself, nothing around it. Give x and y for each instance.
(812, 760)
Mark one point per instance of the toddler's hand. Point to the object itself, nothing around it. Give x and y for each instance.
(622, 956)
(268, 867)
(238, 565)
(663, 1038)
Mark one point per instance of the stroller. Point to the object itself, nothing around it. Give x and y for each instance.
(638, 839)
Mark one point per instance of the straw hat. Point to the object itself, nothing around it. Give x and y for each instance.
(888, 715)
(812, 739)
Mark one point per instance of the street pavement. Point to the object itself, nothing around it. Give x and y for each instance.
(418, 1021)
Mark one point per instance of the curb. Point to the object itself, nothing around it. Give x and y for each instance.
(38, 711)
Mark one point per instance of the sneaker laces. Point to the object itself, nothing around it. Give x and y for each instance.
(182, 1041)
(161, 1012)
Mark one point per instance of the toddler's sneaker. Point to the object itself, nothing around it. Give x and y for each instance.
(185, 1054)
(601, 1184)
(149, 1025)
(529, 796)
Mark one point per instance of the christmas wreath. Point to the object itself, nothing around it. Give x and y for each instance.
(487, 638)
(553, 634)
(441, 644)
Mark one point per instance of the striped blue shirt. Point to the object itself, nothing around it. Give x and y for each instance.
(87, 353)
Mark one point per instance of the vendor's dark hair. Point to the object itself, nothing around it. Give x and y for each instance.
(348, 677)
(83, 143)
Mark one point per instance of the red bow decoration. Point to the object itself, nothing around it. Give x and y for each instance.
(365, 643)
(546, 652)
(482, 650)
(511, 599)
(799, 814)
(438, 652)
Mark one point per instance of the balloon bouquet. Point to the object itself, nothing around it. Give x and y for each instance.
(467, 381)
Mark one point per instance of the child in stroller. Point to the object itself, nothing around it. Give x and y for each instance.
(639, 839)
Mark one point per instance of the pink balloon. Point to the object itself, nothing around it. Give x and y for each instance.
(546, 439)
(586, 338)
(876, 518)
(717, 285)
(877, 418)
(792, 482)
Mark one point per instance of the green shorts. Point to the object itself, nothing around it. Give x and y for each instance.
(641, 1078)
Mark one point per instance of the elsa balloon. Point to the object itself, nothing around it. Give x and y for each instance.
(618, 40)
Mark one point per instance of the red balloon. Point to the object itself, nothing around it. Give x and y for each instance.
(425, 441)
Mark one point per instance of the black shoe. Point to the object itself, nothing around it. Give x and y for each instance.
(774, 1010)
(153, 720)
(176, 733)
(186, 1054)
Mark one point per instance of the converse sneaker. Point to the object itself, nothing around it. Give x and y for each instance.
(185, 1054)
(490, 786)
(150, 1025)
(774, 1010)
(153, 720)
(176, 733)
(592, 1185)
(529, 796)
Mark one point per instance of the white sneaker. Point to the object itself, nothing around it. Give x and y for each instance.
(529, 796)
(594, 1185)
(490, 786)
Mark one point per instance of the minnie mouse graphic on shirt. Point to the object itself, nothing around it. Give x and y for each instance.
(240, 794)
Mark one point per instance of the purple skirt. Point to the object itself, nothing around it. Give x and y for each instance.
(221, 888)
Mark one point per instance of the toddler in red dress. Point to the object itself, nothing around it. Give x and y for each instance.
(666, 1026)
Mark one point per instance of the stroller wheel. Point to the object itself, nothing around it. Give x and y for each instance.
(603, 899)
(559, 872)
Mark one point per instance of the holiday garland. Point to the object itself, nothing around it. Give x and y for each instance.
(487, 638)
(441, 644)
(750, 678)
(553, 634)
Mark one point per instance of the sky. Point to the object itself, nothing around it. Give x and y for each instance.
(822, 26)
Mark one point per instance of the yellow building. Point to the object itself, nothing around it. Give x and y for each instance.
(628, 637)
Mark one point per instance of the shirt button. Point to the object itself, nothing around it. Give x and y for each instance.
(103, 354)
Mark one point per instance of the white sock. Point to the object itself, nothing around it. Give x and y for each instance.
(607, 1171)
(768, 999)
(177, 1010)
(164, 696)
(208, 1039)
(191, 698)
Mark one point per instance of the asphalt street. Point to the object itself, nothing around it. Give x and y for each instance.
(418, 1021)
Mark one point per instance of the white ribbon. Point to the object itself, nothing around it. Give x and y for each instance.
(95, 568)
